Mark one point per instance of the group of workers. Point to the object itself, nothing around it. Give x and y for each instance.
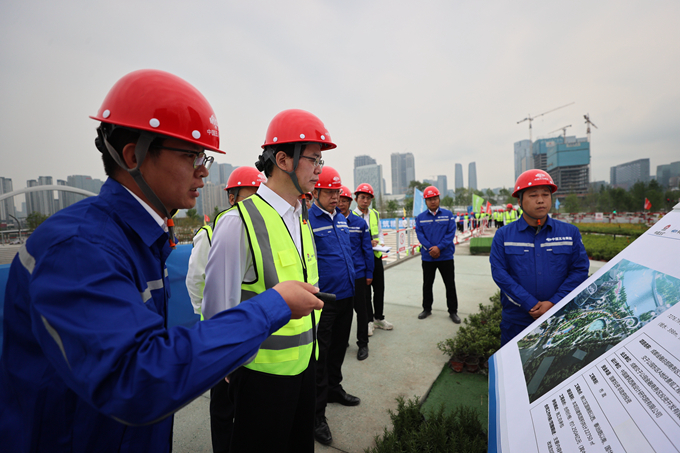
(89, 362)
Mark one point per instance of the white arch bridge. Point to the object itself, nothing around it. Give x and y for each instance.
(14, 193)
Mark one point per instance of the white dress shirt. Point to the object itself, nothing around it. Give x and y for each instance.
(230, 262)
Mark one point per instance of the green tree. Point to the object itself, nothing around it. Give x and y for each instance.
(34, 220)
(490, 196)
(447, 202)
(571, 203)
(392, 208)
(419, 185)
(192, 214)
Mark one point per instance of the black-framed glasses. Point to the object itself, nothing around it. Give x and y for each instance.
(200, 159)
(316, 161)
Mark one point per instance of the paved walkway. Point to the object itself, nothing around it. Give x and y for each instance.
(404, 361)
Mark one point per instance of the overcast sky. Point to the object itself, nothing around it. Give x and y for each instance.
(446, 81)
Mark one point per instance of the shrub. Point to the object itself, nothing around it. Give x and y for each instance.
(604, 248)
(480, 245)
(458, 432)
(480, 334)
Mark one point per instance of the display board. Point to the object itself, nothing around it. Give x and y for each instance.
(600, 372)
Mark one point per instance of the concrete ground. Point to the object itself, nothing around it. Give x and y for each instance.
(402, 362)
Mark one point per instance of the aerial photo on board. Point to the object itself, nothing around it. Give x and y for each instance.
(609, 310)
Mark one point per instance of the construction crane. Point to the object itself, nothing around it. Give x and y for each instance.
(530, 118)
(564, 129)
(588, 122)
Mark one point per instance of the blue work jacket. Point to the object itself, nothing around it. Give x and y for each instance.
(530, 267)
(436, 230)
(88, 361)
(333, 252)
(362, 249)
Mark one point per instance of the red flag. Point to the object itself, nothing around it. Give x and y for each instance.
(206, 219)
(488, 207)
(648, 205)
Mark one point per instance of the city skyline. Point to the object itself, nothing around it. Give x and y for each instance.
(449, 85)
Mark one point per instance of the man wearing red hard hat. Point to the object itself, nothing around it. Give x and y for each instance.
(536, 260)
(266, 239)
(88, 362)
(242, 183)
(436, 228)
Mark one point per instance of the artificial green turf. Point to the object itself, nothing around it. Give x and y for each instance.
(480, 245)
(454, 389)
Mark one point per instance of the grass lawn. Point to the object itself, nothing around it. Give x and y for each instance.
(454, 389)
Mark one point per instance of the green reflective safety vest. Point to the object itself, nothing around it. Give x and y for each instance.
(374, 227)
(509, 217)
(287, 351)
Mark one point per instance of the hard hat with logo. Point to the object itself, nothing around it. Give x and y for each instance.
(161, 103)
(156, 104)
(294, 125)
(328, 179)
(533, 178)
(245, 177)
(364, 188)
(345, 192)
(430, 192)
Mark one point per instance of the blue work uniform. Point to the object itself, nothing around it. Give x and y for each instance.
(530, 267)
(336, 276)
(89, 363)
(436, 230)
(362, 249)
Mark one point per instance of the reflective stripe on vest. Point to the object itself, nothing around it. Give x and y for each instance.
(375, 229)
(275, 258)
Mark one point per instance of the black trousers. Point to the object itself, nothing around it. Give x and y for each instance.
(360, 289)
(333, 334)
(221, 417)
(273, 413)
(446, 270)
(378, 286)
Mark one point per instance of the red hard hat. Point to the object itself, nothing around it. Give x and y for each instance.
(533, 178)
(345, 192)
(430, 192)
(162, 103)
(245, 177)
(296, 125)
(328, 179)
(509, 206)
(365, 188)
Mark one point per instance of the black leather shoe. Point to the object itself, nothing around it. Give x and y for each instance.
(362, 353)
(322, 433)
(454, 317)
(343, 398)
(424, 314)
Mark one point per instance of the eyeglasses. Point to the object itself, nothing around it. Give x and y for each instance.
(200, 159)
(317, 161)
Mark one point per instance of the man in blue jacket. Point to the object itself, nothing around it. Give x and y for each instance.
(436, 228)
(89, 362)
(336, 276)
(535, 261)
(362, 256)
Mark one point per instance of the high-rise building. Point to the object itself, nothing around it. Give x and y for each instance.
(31, 198)
(568, 163)
(625, 175)
(668, 175)
(440, 182)
(472, 176)
(373, 175)
(213, 196)
(524, 159)
(459, 176)
(45, 197)
(84, 182)
(360, 161)
(6, 205)
(403, 172)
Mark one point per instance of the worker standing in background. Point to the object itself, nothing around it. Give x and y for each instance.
(362, 254)
(268, 239)
(376, 319)
(535, 261)
(89, 362)
(242, 183)
(509, 215)
(336, 276)
(436, 229)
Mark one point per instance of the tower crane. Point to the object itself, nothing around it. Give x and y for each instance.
(588, 122)
(564, 129)
(530, 118)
